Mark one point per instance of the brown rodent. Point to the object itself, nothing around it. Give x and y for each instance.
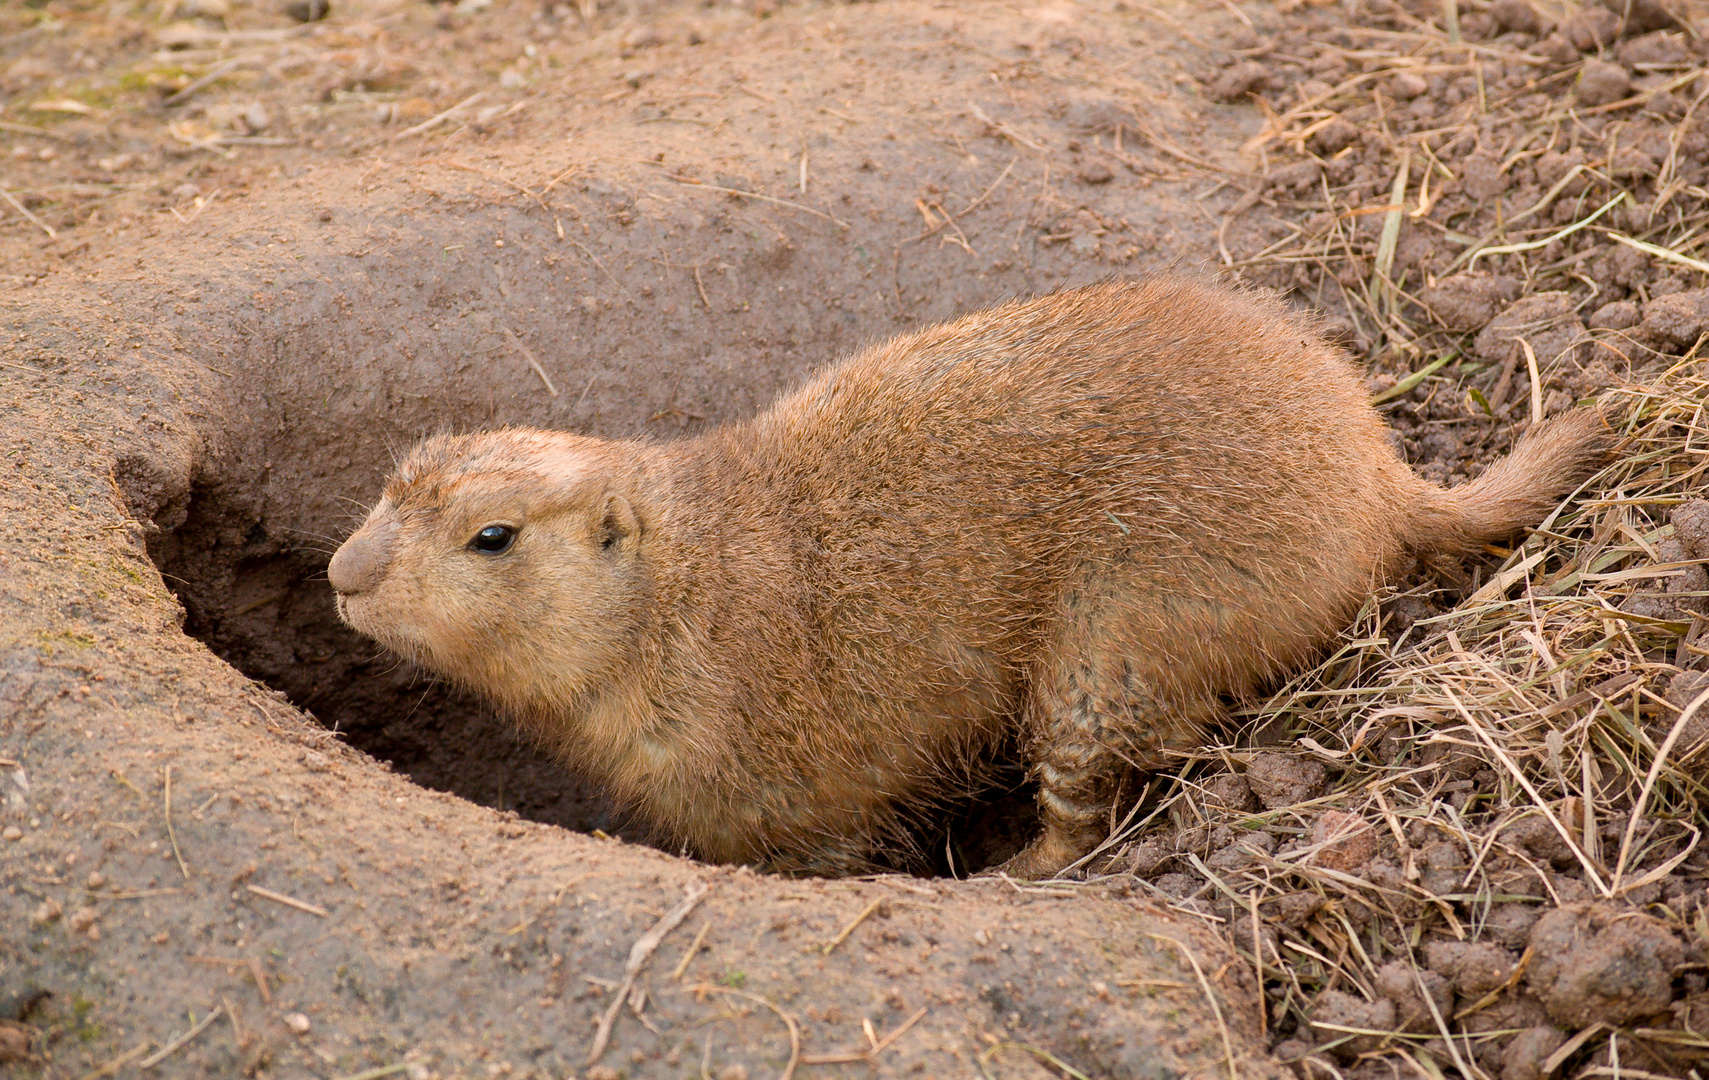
(1070, 525)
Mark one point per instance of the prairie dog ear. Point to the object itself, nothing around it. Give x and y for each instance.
(618, 522)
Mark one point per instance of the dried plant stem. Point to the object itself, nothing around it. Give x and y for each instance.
(172, 1047)
(171, 834)
(1673, 734)
(1210, 996)
(788, 1020)
(639, 954)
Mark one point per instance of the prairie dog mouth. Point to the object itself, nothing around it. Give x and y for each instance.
(398, 635)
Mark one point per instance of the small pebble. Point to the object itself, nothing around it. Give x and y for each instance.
(81, 919)
(14, 1042)
(1618, 315)
(12, 832)
(95, 880)
(298, 1023)
(46, 913)
(1096, 173)
(1516, 15)
(1601, 83)
(1345, 841)
(308, 10)
(1406, 85)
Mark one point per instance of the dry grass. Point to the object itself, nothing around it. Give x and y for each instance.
(1535, 698)
(1342, 246)
(1519, 749)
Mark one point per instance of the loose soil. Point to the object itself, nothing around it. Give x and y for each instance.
(253, 254)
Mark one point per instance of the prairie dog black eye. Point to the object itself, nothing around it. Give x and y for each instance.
(493, 540)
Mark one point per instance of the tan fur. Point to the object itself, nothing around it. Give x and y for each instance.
(1073, 524)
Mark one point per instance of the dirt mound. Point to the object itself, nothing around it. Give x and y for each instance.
(622, 281)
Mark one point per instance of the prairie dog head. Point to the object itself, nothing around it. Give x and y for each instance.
(507, 560)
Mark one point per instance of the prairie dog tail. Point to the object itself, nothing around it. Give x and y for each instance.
(1520, 489)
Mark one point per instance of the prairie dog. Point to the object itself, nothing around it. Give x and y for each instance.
(1071, 524)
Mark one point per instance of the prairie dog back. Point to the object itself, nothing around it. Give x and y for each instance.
(1071, 524)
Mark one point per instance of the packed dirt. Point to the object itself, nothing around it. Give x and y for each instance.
(248, 254)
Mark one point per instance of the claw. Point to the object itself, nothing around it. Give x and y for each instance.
(1043, 858)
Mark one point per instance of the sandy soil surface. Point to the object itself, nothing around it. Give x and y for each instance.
(248, 253)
